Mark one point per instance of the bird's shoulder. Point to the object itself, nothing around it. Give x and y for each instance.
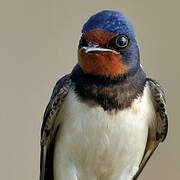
(50, 125)
(159, 101)
(60, 91)
(158, 127)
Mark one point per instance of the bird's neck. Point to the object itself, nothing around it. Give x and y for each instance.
(111, 94)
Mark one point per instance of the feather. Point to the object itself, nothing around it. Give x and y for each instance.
(159, 127)
(50, 126)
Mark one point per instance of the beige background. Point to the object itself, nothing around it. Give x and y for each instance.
(38, 43)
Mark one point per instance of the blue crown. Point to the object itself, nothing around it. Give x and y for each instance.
(110, 22)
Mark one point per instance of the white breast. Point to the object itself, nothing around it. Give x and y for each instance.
(93, 144)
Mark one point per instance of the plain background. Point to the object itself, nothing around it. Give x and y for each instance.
(38, 45)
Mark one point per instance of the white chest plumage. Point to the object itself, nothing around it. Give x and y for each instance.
(93, 144)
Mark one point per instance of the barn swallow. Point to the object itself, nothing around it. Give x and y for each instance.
(106, 118)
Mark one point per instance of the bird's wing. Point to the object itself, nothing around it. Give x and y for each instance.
(158, 129)
(50, 126)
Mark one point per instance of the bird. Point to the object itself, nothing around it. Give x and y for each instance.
(105, 119)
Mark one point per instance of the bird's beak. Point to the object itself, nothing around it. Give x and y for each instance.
(95, 48)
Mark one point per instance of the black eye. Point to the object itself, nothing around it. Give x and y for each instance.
(82, 41)
(121, 41)
(118, 42)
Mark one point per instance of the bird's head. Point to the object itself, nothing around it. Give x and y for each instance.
(108, 46)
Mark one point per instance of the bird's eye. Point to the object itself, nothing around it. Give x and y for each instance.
(83, 41)
(118, 42)
(121, 41)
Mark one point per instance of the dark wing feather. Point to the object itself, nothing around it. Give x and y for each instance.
(158, 130)
(50, 126)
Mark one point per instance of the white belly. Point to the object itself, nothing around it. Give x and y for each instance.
(93, 144)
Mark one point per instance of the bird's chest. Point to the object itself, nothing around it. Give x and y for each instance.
(100, 144)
